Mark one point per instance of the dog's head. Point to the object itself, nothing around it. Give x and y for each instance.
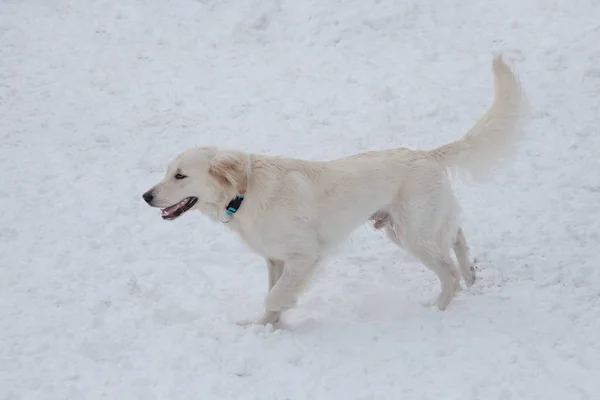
(204, 178)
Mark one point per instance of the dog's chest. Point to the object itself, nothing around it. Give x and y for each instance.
(253, 237)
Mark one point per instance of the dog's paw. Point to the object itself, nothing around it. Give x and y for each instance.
(444, 300)
(269, 317)
(470, 276)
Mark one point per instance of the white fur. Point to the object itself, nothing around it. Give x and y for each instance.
(294, 210)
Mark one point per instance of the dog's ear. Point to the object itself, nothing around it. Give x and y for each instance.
(229, 169)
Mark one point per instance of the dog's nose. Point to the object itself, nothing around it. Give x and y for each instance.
(148, 197)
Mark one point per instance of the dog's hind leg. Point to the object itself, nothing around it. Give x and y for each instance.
(461, 249)
(432, 258)
(391, 230)
(440, 262)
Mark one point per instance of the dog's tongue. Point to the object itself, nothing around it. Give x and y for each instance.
(170, 210)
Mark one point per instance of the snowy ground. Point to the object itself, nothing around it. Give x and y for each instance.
(100, 298)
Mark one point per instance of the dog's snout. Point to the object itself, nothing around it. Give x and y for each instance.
(148, 196)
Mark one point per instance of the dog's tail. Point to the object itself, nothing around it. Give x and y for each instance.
(492, 138)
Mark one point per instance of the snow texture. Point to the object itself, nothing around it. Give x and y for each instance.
(102, 299)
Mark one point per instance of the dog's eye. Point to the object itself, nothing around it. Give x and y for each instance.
(180, 176)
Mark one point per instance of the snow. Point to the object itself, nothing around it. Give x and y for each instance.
(101, 298)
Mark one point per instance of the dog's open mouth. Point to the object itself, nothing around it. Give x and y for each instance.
(177, 209)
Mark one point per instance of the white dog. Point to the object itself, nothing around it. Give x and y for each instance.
(293, 211)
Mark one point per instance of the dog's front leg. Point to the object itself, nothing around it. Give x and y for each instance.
(274, 271)
(284, 294)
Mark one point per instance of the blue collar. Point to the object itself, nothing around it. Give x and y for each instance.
(234, 204)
